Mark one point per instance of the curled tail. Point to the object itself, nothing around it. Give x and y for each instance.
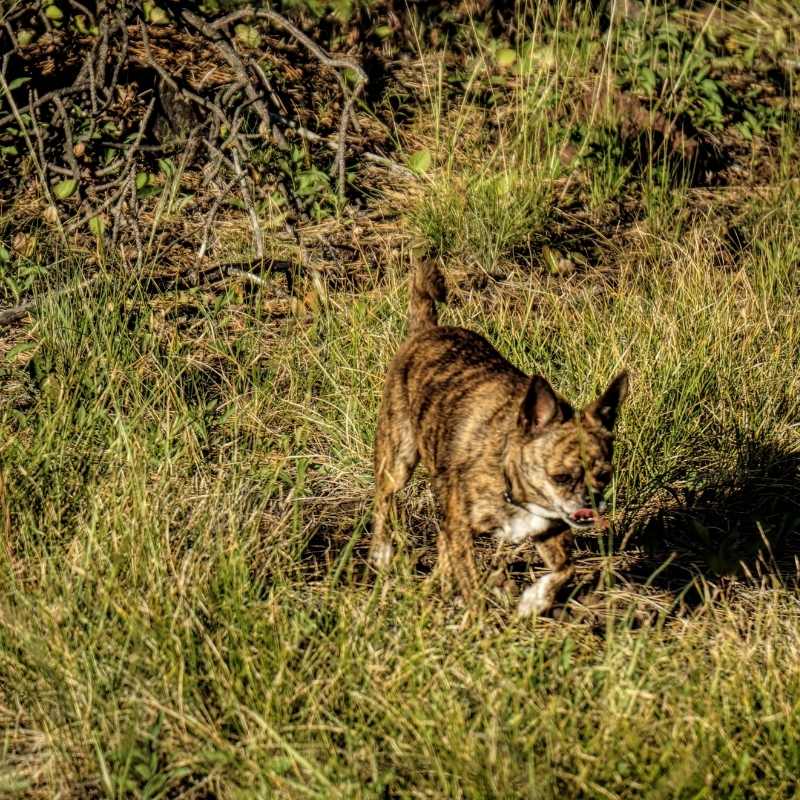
(427, 289)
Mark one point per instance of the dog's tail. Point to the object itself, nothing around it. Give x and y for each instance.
(427, 289)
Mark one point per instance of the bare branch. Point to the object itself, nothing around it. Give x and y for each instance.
(69, 154)
(230, 55)
(223, 193)
(45, 98)
(248, 201)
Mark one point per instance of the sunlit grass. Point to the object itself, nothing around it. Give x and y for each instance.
(185, 498)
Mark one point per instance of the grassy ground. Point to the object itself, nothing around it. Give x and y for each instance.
(186, 479)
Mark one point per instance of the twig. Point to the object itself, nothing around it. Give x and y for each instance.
(8, 316)
(211, 216)
(121, 55)
(150, 61)
(83, 9)
(268, 85)
(248, 201)
(333, 62)
(116, 213)
(69, 155)
(134, 220)
(230, 55)
(311, 136)
(216, 272)
(45, 98)
(101, 59)
(10, 32)
(67, 173)
(39, 166)
(121, 183)
(338, 162)
(37, 131)
(249, 276)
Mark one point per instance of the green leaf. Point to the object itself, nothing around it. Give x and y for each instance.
(505, 57)
(17, 82)
(97, 226)
(143, 771)
(147, 184)
(158, 16)
(420, 161)
(18, 349)
(5, 256)
(383, 31)
(709, 87)
(54, 13)
(310, 182)
(247, 35)
(351, 76)
(166, 166)
(25, 37)
(648, 80)
(66, 188)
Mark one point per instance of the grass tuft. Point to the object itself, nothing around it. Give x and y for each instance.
(185, 479)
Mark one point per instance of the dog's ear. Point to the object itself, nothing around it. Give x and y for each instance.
(541, 406)
(605, 409)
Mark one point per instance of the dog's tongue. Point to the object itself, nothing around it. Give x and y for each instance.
(582, 515)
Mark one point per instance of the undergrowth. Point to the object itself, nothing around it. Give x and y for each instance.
(185, 487)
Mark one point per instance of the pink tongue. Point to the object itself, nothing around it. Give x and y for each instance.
(582, 514)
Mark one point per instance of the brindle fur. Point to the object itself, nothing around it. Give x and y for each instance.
(493, 440)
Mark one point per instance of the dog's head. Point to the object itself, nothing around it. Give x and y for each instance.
(563, 460)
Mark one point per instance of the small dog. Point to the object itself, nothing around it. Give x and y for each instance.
(505, 453)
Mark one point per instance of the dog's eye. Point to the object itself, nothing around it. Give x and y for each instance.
(604, 476)
(563, 478)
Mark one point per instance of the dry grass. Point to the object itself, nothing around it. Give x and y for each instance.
(186, 486)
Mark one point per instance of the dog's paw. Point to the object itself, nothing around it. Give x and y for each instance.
(380, 554)
(537, 598)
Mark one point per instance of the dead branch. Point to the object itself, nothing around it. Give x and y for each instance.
(229, 54)
(9, 316)
(192, 80)
(69, 147)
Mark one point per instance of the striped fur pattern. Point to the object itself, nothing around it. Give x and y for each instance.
(504, 451)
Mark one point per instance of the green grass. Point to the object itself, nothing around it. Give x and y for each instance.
(186, 482)
(161, 628)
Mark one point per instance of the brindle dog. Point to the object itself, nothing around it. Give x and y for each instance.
(505, 452)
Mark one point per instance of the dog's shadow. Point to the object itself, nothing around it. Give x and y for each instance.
(743, 528)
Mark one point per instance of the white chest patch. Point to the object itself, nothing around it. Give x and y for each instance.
(524, 522)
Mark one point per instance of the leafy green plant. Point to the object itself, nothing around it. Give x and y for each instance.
(683, 73)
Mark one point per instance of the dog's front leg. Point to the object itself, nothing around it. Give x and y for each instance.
(456, 556)
(540, 596)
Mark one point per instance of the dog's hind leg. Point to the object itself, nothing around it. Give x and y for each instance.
(396, 456)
